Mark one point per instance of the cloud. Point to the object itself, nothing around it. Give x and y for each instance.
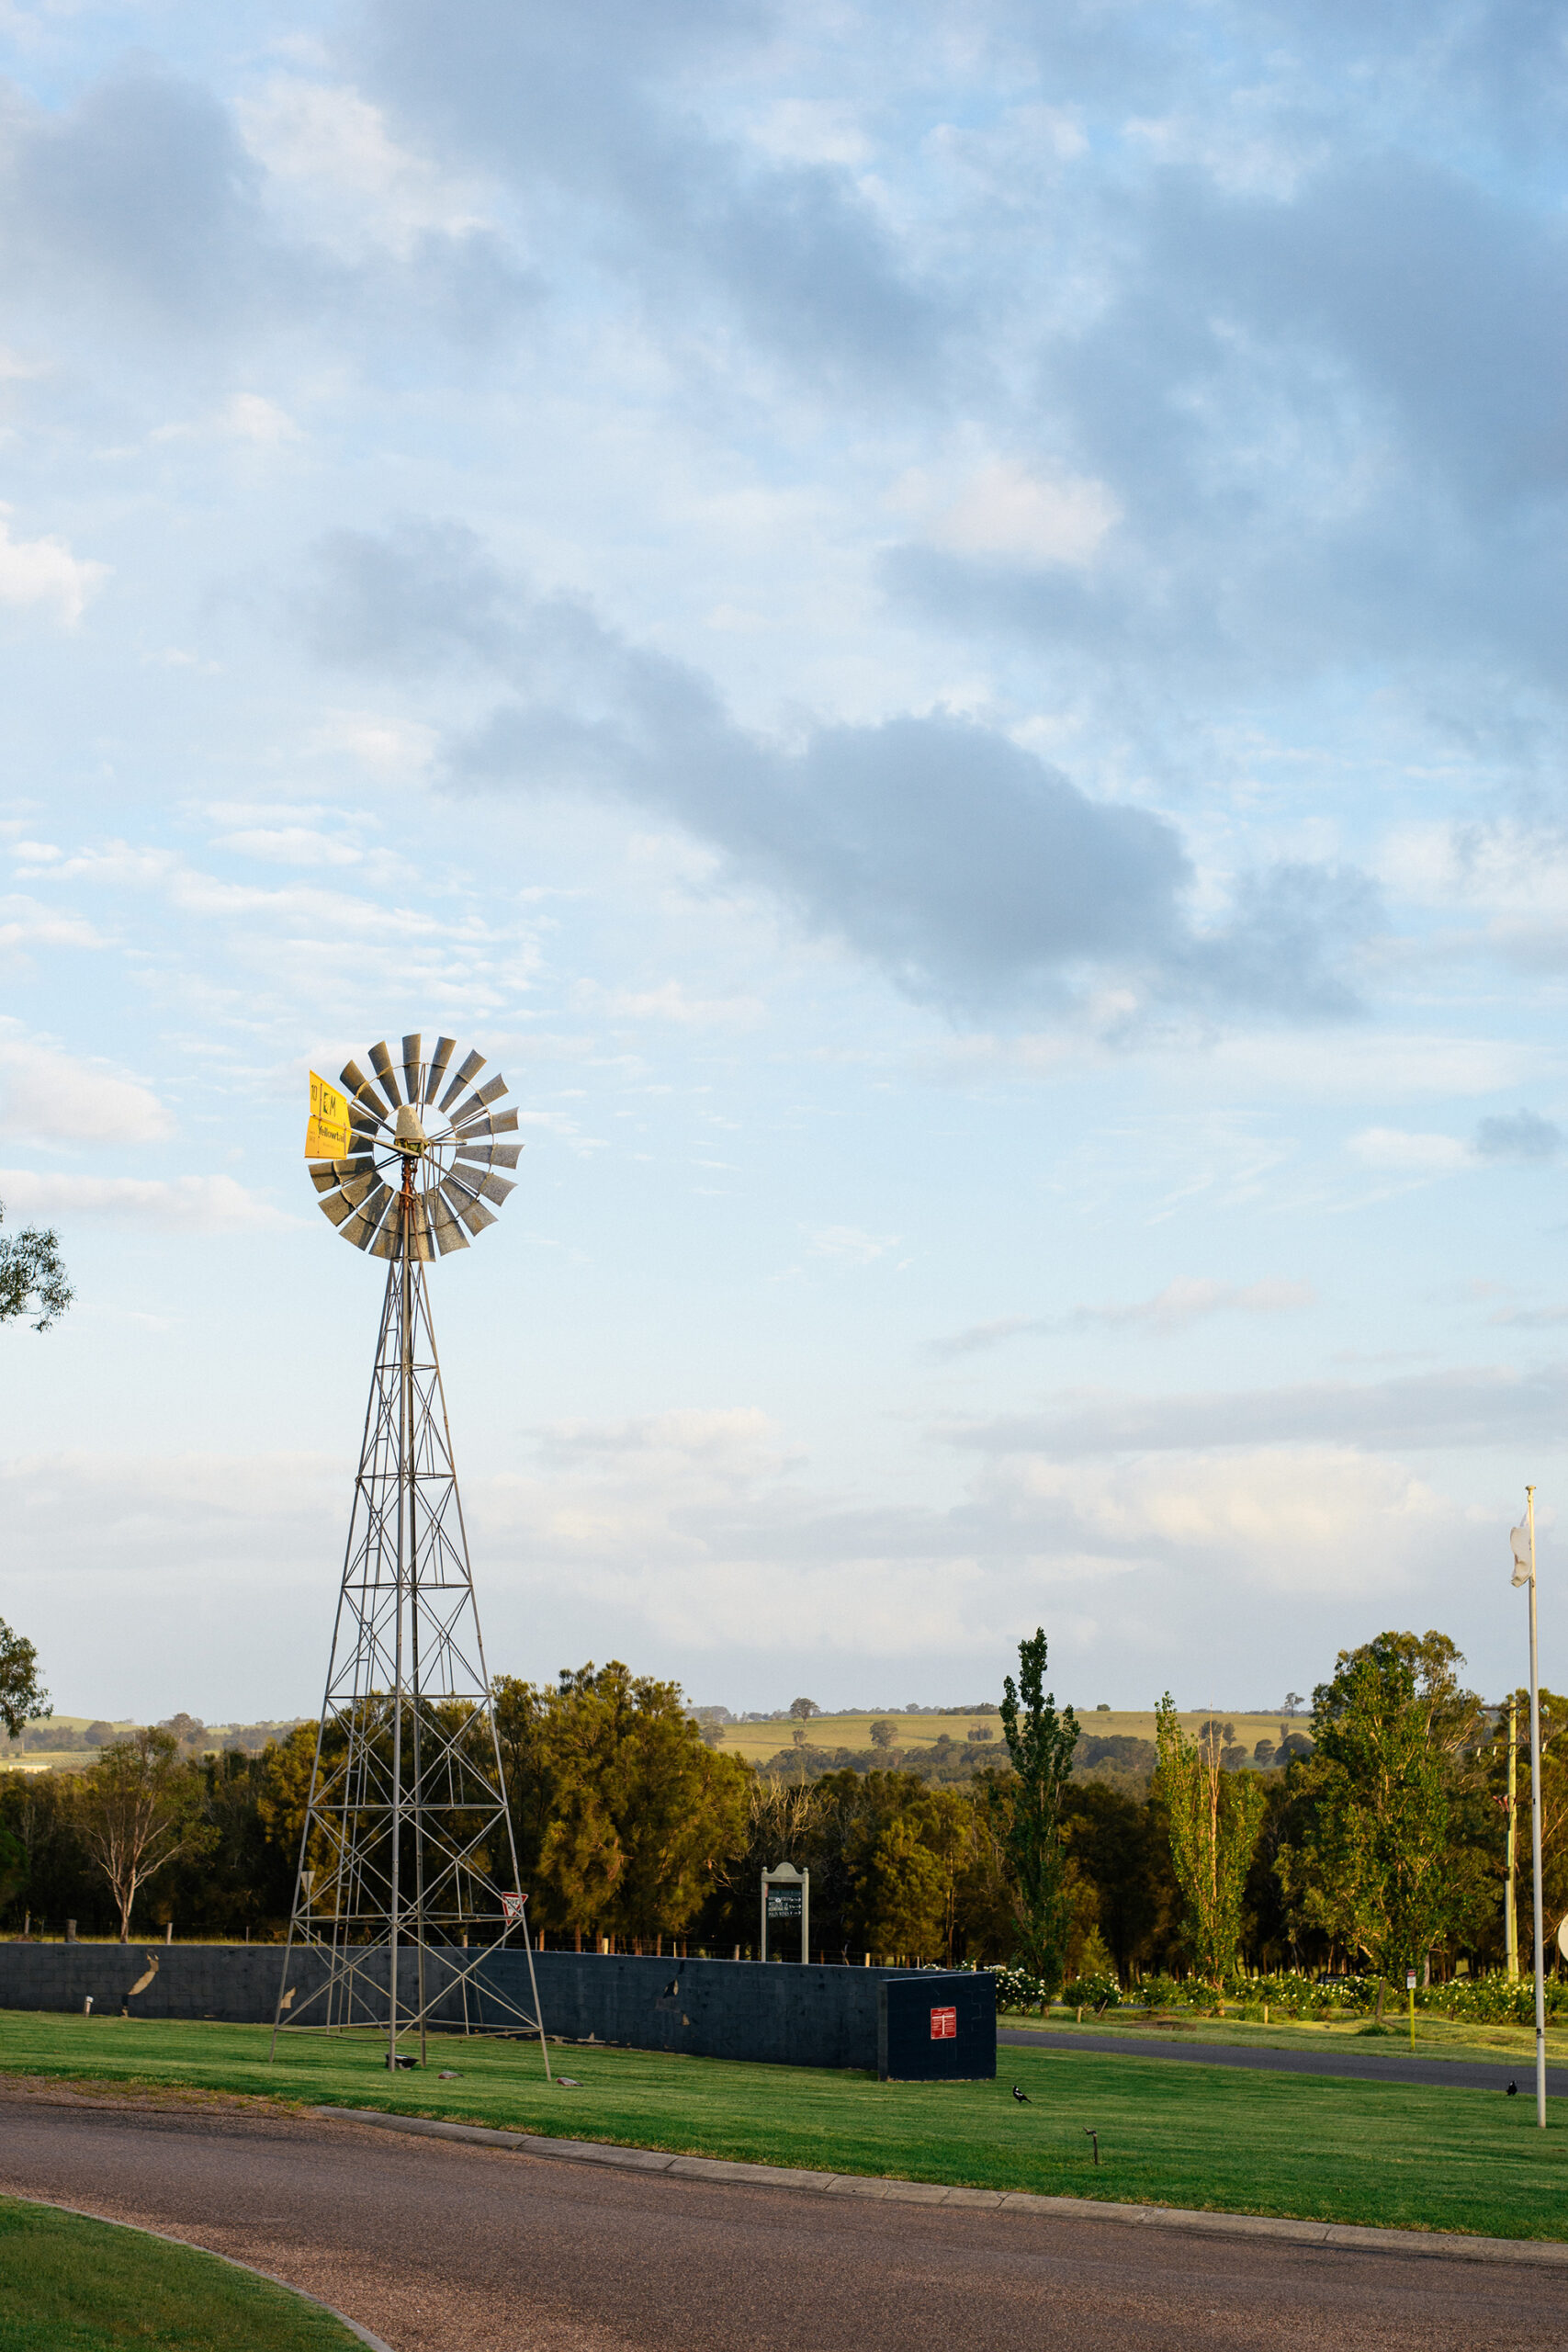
(175, 1205)
(1516, 1135)
(26, 923)
(672, 1002)
(848, 1246)
(1483, 1406)
(1175, 1308)
(591, 109)
(1005, 510)
(54, 1098)
(140, 203)
(1397, 1148)
(45, 573)
(972, 872)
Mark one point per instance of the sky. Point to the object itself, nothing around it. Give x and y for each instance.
(940, 629)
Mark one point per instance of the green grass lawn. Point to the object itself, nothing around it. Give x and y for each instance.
(1435, 2036)
(1393, 2154)
(70, 2285)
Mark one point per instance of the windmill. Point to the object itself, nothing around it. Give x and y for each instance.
(408, 1878)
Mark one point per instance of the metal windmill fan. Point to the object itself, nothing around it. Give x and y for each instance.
(418, 1161)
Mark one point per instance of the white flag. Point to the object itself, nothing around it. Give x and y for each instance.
(1520, 1540)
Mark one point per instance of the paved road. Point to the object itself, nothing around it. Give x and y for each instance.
(440, 2247)
(1361, 2066)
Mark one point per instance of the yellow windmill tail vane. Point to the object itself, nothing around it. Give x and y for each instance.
(327, 1136)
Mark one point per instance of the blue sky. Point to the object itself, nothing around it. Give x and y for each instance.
(941, 631)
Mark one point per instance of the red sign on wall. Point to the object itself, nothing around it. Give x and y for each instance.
(944, 2025)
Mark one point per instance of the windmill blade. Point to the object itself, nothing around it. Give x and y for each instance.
(332, 1204)
(361, 1229)
(448, 1233)
(496, 1188)
(479, 1099)
(382, 1063)
(386, 1242)
(323, 1174)
(491, 1155)
(413, 1046)
(420, 1245)
(472, 1065)
(445, 1049)
(500, 1123)
(466, 1205)
(361, 1092)
(358, 1188)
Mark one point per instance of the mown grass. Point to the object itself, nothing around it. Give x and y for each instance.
(72, 2285)
(1402, 2155)
(1435, 2036)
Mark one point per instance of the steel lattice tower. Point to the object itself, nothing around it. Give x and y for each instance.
(408, 1873)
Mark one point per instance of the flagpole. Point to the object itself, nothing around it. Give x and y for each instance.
(1535, 1840)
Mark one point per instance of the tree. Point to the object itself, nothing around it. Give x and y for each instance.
(643, 1814)
(32, 1274)
(1041, 1743)
(882, 1733)
(804, 1709)
(1214, 1819)
(21, 1700)
(900, 1893)
(1390, 1860)
(141, 1808)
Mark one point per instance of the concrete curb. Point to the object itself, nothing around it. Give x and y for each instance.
(189, 2246)
(1350, 2236)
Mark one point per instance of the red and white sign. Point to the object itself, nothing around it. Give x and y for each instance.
(512, 1909)
(944, 2025)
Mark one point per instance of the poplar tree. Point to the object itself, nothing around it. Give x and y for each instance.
(1391, 1857)
(1041, 1743)
(1213, 1818)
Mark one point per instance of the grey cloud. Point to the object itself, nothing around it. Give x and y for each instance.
(1175, 1308)
(1517, 1134)
(139, 204)
(1483, 1406)
(970, 871)
(1330, 419)
(590, 106)
(137, 196)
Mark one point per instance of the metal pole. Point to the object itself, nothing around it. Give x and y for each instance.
(764, 1914)
(1511, 1915)
(397, 1806)
(1535, 1843)
(412, 1459)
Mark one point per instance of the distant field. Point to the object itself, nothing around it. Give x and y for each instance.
(1402, 2155)
(758, 1742)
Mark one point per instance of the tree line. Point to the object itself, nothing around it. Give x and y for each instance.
(1379, 1847)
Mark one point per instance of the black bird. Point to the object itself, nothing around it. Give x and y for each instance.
(1023, 2097)
(1513, 2091)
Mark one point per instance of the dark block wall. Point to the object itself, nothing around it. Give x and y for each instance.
(937, 2029)
(777, 2013)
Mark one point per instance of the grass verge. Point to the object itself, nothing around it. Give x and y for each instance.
(1435, 2036)
(71, 2285)
(1398, 2154)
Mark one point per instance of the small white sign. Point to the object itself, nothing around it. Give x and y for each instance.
(1410, 1980)
(512, 1910)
